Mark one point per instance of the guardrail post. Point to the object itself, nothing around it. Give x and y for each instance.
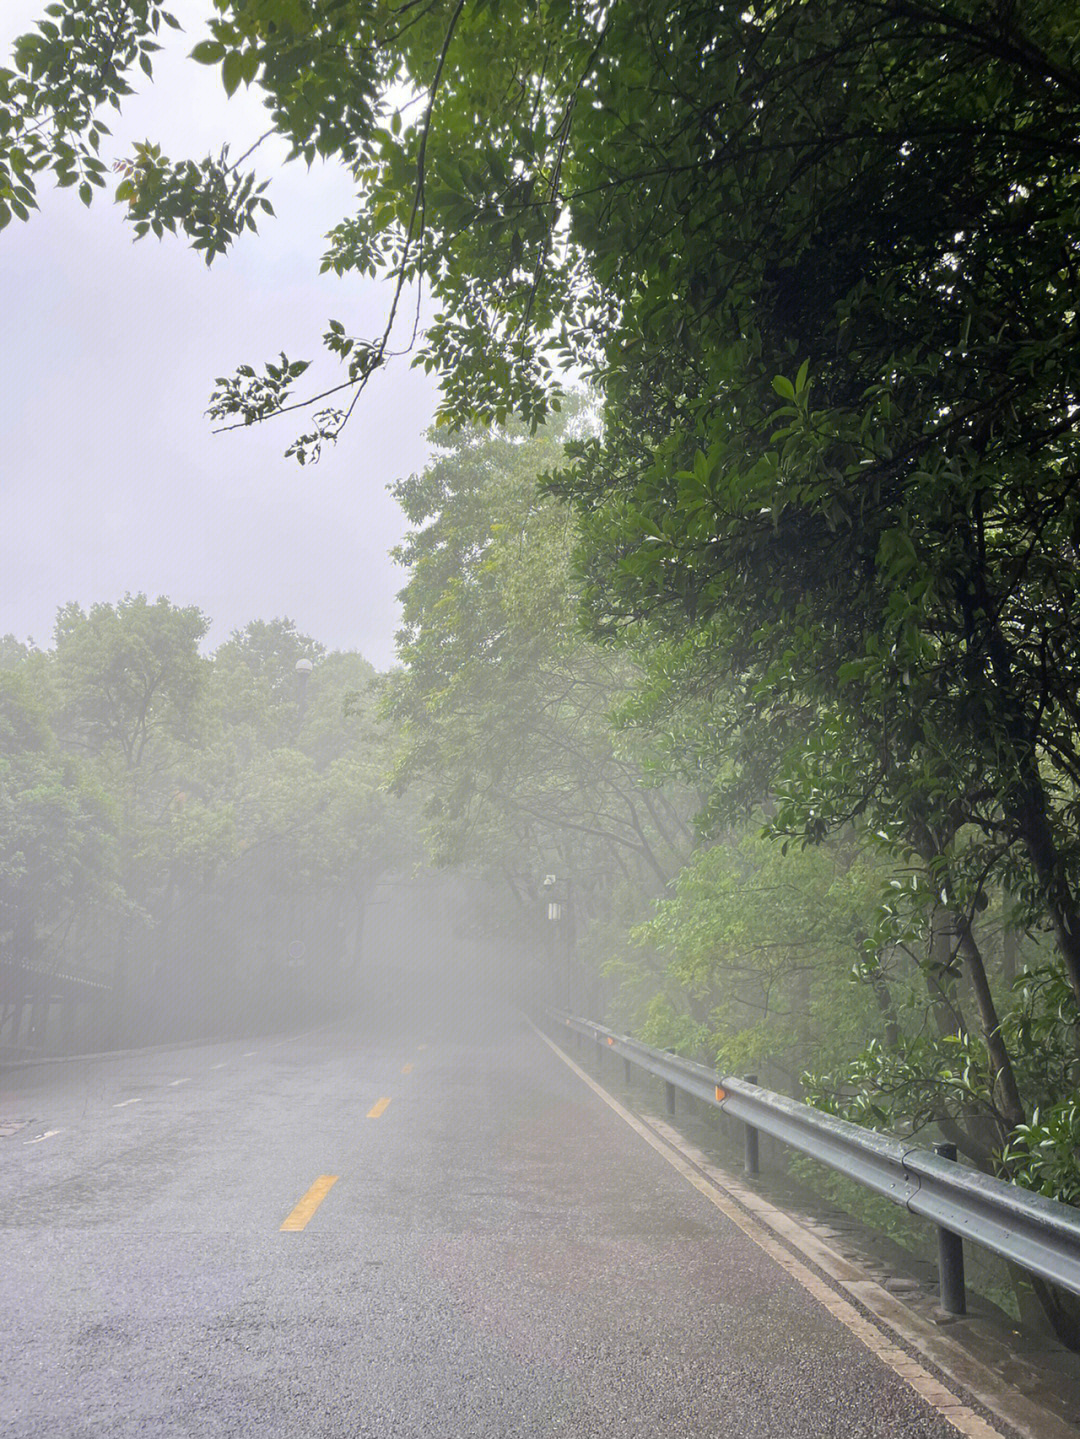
(952, 1291)
(752, 1164)
(669, 1091)
(599, 1054)
(628, 1072)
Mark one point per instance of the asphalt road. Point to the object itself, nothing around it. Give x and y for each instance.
(498, 1255)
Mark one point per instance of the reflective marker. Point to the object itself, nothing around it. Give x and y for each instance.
(300, 1216)
(721, 1094)
(377, 1108)
(406, 1069)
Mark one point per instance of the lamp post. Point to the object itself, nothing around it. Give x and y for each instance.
(559, 913)
(303, 674)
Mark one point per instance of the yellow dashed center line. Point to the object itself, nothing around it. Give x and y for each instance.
(300, 1216)
(47, 1135)
(406, 1069)
(377, 1108)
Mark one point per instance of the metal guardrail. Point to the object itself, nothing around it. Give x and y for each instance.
(14, 971)
(1041, 1235)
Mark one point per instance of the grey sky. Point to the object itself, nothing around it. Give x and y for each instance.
(111, 478)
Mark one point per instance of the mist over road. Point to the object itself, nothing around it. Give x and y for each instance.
(478, 1247)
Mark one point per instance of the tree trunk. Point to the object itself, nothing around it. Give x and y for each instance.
(1032, 819)
(883, 995)
(1025, 804)
(942, 976)
(1007, 1092)
(1009, 948)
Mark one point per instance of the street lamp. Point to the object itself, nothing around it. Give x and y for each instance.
(555, 914)
(554, 909)
(303, 674)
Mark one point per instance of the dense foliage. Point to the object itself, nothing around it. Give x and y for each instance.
(189, 841)
(505, 706)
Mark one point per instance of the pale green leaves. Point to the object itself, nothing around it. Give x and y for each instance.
(788, 391)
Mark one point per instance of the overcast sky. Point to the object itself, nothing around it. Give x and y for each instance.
(111, 478)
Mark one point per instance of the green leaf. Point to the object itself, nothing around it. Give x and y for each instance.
(783, 387)
(232, 71)
(208, 52)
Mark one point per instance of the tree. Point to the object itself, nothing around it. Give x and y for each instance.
(504, 704)
(757, 950)
(57, 830)
(127, 674)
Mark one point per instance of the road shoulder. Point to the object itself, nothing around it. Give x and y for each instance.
(901, 1338)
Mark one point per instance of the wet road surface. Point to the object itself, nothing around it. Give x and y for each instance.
(475, 1245)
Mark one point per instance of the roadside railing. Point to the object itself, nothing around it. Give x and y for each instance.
(1041, 1235)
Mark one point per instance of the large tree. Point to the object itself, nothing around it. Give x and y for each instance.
(503, 702)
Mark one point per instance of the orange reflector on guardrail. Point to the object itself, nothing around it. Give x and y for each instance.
(721, 1094)
(611, 1041)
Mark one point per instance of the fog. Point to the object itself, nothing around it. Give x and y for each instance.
(204, 847)
(558, 915)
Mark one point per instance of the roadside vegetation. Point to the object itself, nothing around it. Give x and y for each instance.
(836, 967)
(195, 836)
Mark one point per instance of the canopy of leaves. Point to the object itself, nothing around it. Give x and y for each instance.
(192, 833)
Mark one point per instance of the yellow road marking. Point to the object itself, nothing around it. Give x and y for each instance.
(377, 1108)
(406, 1069)
(47, 1135)
(958, 1414)
(300, 1216)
